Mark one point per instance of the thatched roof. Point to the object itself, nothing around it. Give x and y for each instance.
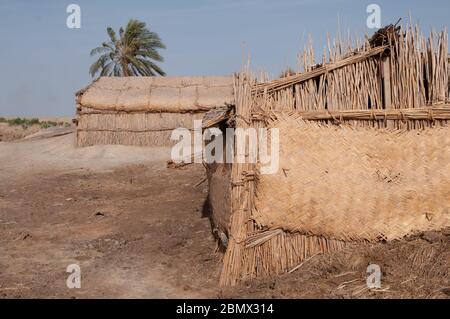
(159, 94)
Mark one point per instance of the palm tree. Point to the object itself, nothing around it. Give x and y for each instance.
(131, 54)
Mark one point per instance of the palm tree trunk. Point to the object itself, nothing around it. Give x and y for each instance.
(125, 68)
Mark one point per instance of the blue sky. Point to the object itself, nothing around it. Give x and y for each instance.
(43, 63)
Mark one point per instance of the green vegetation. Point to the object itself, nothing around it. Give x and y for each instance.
(26, 123)
(48, 124)
(132, 53)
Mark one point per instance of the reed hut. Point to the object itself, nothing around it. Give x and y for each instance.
(364, 154)
(145, 110)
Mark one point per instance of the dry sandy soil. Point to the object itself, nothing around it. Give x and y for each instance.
(139, 229)
(11, 133)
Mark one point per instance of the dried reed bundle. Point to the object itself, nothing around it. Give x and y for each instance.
(157, 94)
(90, 138)
(137, 122)
(409, 70)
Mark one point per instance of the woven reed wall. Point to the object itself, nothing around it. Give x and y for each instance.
(355, 84)
(91, 138)
(144, 111)
(141, 129)
(219, 196)
(356, 184)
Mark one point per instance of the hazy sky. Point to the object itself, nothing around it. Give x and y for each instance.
(43, 63)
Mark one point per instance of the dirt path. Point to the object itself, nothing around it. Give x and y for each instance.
(136, 230)
(32, 156)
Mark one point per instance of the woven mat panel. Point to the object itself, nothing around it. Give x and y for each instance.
(219, 180)
(356, 183)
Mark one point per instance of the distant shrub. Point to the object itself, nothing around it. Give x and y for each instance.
(25, 123)
(16, 122)
(34, 121)
(47, 124)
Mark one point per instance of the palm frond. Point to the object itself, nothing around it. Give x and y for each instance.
(98, 50)
(112, 34)
(107, 69)
(98, 65)
(150, 54)
(153, 67)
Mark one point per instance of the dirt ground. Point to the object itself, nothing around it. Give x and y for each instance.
(139, 230)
